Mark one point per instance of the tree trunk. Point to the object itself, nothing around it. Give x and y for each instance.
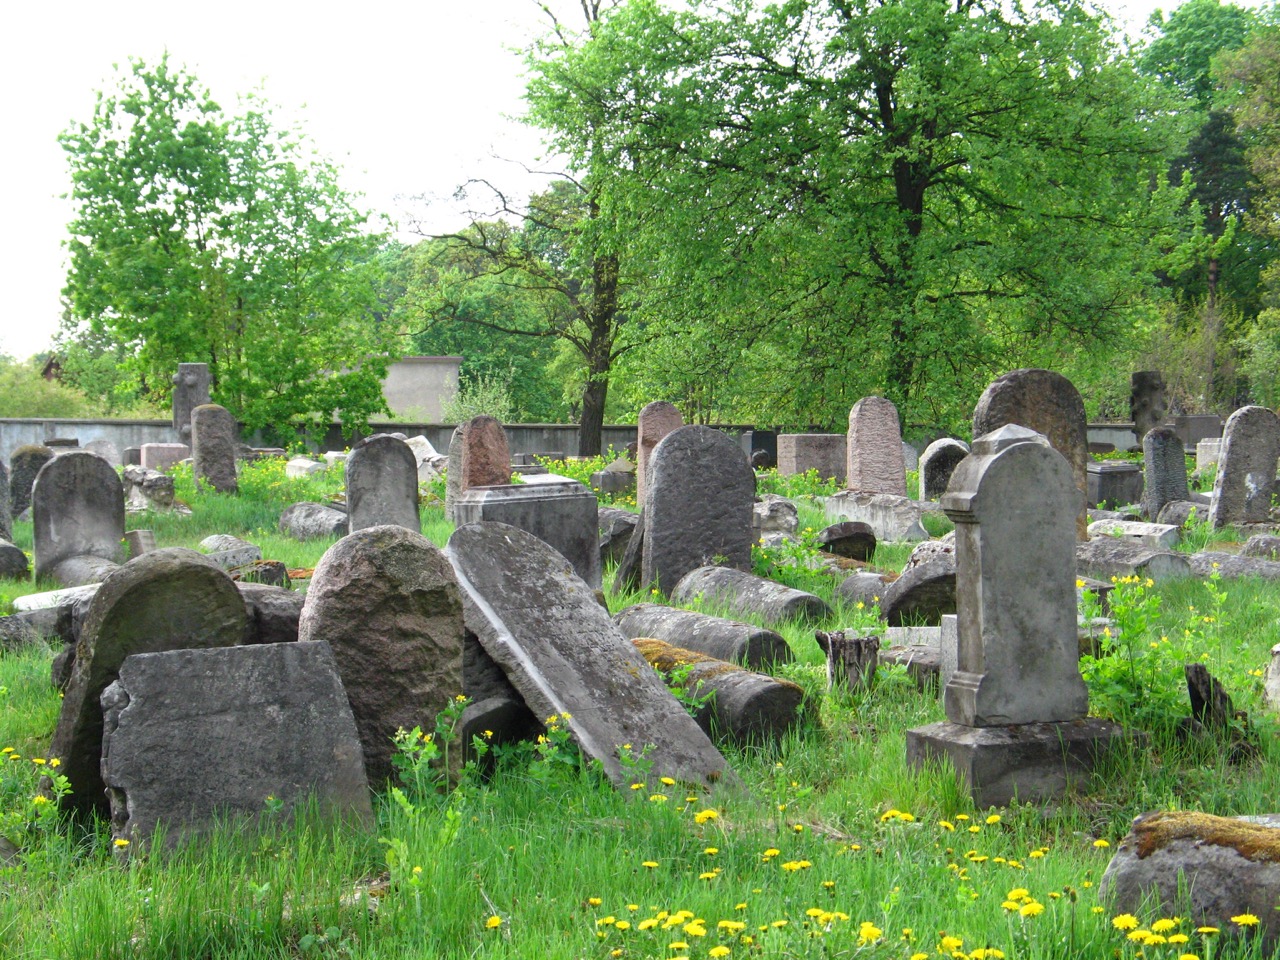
(591, 424)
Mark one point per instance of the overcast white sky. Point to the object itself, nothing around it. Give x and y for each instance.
(409, 97)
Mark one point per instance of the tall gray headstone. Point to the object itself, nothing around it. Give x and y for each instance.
(382, 485)
(214, 439)
(1164, 470)
(698, 506)
(1148, 401)
(655, 421)
(77, 510)
(1246, 478)
(24, 463)
(190, 390)
(387, 602)
(453, 472)
(937, 463)
(1049, 404)
(874, 448)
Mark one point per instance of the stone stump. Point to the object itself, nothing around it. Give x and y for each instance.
(214, 441)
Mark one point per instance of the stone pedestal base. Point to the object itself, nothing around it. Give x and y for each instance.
(1033, 762)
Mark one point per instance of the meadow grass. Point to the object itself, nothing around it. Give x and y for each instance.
(833, 848)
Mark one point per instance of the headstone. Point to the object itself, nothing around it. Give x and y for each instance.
(132, 456)
(1207, 563)
(1148, 401)
(546, 630)
(382, 486)
(616, 526)
(162, 456)
(147, 489)
(1049, 404)
(1115, 483)
(77, 509)
(745, 593)
(922, 594)
(730, 640)
(698, 502)
(6, 519)
(24, 464)
(821, 452)
(1207, 453)
(655, 421)
(190, 390)
(1164, 471)
(13, 562)
(1157, 536)
(300, 467)
(214, 439)
(937, 463)
(910, 457)
(892, 519)
(169, 599)
(1179, 513)
(140, 542)
(1263, 546)
(850, 539)
(273, 612)
(252, 722)
(773, 513)
(863, 588)
(486, 454)
(107, 450)
(1107, 557)
(627, 574)
(61, 444)
(387, 602)
(874, 461)
(312, 521)
(1246, 478)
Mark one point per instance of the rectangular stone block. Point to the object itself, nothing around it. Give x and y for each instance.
(161, 456)
(824, 452)
(1114, 482)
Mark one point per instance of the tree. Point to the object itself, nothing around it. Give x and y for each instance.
(892, 196)
(203, 236)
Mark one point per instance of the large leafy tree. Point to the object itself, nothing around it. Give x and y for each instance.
(201, 235)
(872, 196)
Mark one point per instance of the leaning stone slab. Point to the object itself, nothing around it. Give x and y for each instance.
(77, 508)
(891, 519)
(387, 602)
(1220, 867)
(193, 736)
(1107, 557)
(545, 628)
(214, 440)
(743, 707)
(312, 521)
(169, 599)
(616, 527)
(729, 640)
(1230, 566)
(1157, 536)
(745, 593)
(1264, 546)
(922, 595)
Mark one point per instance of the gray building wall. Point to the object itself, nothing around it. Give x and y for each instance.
(418, 386)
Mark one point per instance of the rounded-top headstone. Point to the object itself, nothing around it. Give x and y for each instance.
(1246, 478)
(486, 454)
(937, 463)
(24, 463)
(171, 599)
(382, 484)
(1049, 404)
(1164, 471)
(387, 601)
(214, 442)
(655, 421)
(875, 461)
(77, 509)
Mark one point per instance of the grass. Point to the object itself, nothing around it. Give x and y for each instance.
(835, 849)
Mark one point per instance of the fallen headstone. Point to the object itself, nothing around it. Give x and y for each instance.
(1157, 536)
(891, 519)
(922, 594)
(745, 593)
(301, 467)
(1262, 546)
(849, 538)
(1231, 565)
(729, 640)
(1107, 557)
(312, 521)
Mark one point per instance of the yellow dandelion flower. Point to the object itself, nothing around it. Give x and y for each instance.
(702, 816)
(1245, 920)
(650, 864)
(658, 798)
(950, 944)
(120, 843)
(493, 922)
(1036, 854)
(594, 901)
(720, 951)
(1101, 844)
(678, 945)
(1164, 925)
(711, 851)
(1126, 921)
(666, 781)
(1176, 938)
(1032, 909)
(1138, 936)
(1207, 931)
(947, 825)
(622, 925)
(993, 819)
(647, 924)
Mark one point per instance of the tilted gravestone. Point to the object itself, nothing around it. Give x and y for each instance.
(1148, 401)
(170, 599)
(1016, 703)
(730, 640)
(937, 463)
(258, 721)
(655, 421)
(77, 510)
(1246, 478)
(698, 506)
(312, 521)
(1049, 404)
(546, 630)
(746, 594)
(214, 439)
(24, 464)
(874, 460)
(190, 390)
(1164, 471)
(382, 485)
(387, 602)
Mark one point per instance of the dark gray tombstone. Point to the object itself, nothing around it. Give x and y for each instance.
(1164, 470)
(1049, 404)
(616, 527)
(922, 595)
(24, 464)
(1246, 480)
(195, 736)
(77, 510)
(729, 640)
(190, 390)
(549, 634)
(937, 463)
(214, 441)
(170, 599)
(382, 485)
(745, 593)
(387, 602)
(1148, 401)
(874, 457)
(698, 506)
(802, 452)
(850, 539)
(1114, 482)
(655, 421)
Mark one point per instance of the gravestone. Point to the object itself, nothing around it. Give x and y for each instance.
(655, 421)
(190, 390)
(850, 539)
(312, 521)
(453, 471)
(698, 506)
(147, 489)
(1016, 704)
(214, 441)
(6, 518)
(1114, 482)
(891, 518)
(1207, 452)
(1246, 478)
(937, 463)
(170, 599)
(616, 527)
(486, 454)
(140, 542)
(387, 602)
(922, 595)
(728, 640)
(162, 456)
(258, 721)
(746, 594)
(549, 634)
(1157, 536)
(107, 450)
(24, 464)
(1148, 401)
(1164, 471)
(1107, 557)
(382, 485)
(77, 510)
(874, 461)
(822, 452)
(1049, 404)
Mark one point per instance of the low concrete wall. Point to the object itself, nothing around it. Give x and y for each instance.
(123, 433)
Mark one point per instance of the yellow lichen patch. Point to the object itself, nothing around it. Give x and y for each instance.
(1155, 831)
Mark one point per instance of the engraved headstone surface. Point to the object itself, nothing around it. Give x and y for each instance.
(382, 485)
(77, 510)
(1246, 480)
(1164, 470)
(874, 450)
(214, 440)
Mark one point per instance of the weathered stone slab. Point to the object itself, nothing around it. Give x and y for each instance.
(105, 449)
(1263, 546)
(1179, 513)
(301, 467)
(215, 438)
(745, 593)
(729, 640)
(850, 539)
(1114, 482)
(191, 736)
(544, 627)
(387, 602)
(1107, 557)
(1148, 400)
(1246, 480)
(892, 519)
(13, 562)
(937, 463)
(140, 542)
(1207, 452)
(453, 470)
(822, 452)
(170, 599)
(312, 521)
(382, 486)
(863, 587)
(147, 489)
(162, 456)
(874, 461)
(615, 526)
(1164, 471)
(77, 509)
(1230, 566)
(922, 594)
(1157, 536)
(24, 463)
(273, 612)
(773, 513)
(55, 598)
(486, 454)
(654, 422)
(627, 574)
(190, 390)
